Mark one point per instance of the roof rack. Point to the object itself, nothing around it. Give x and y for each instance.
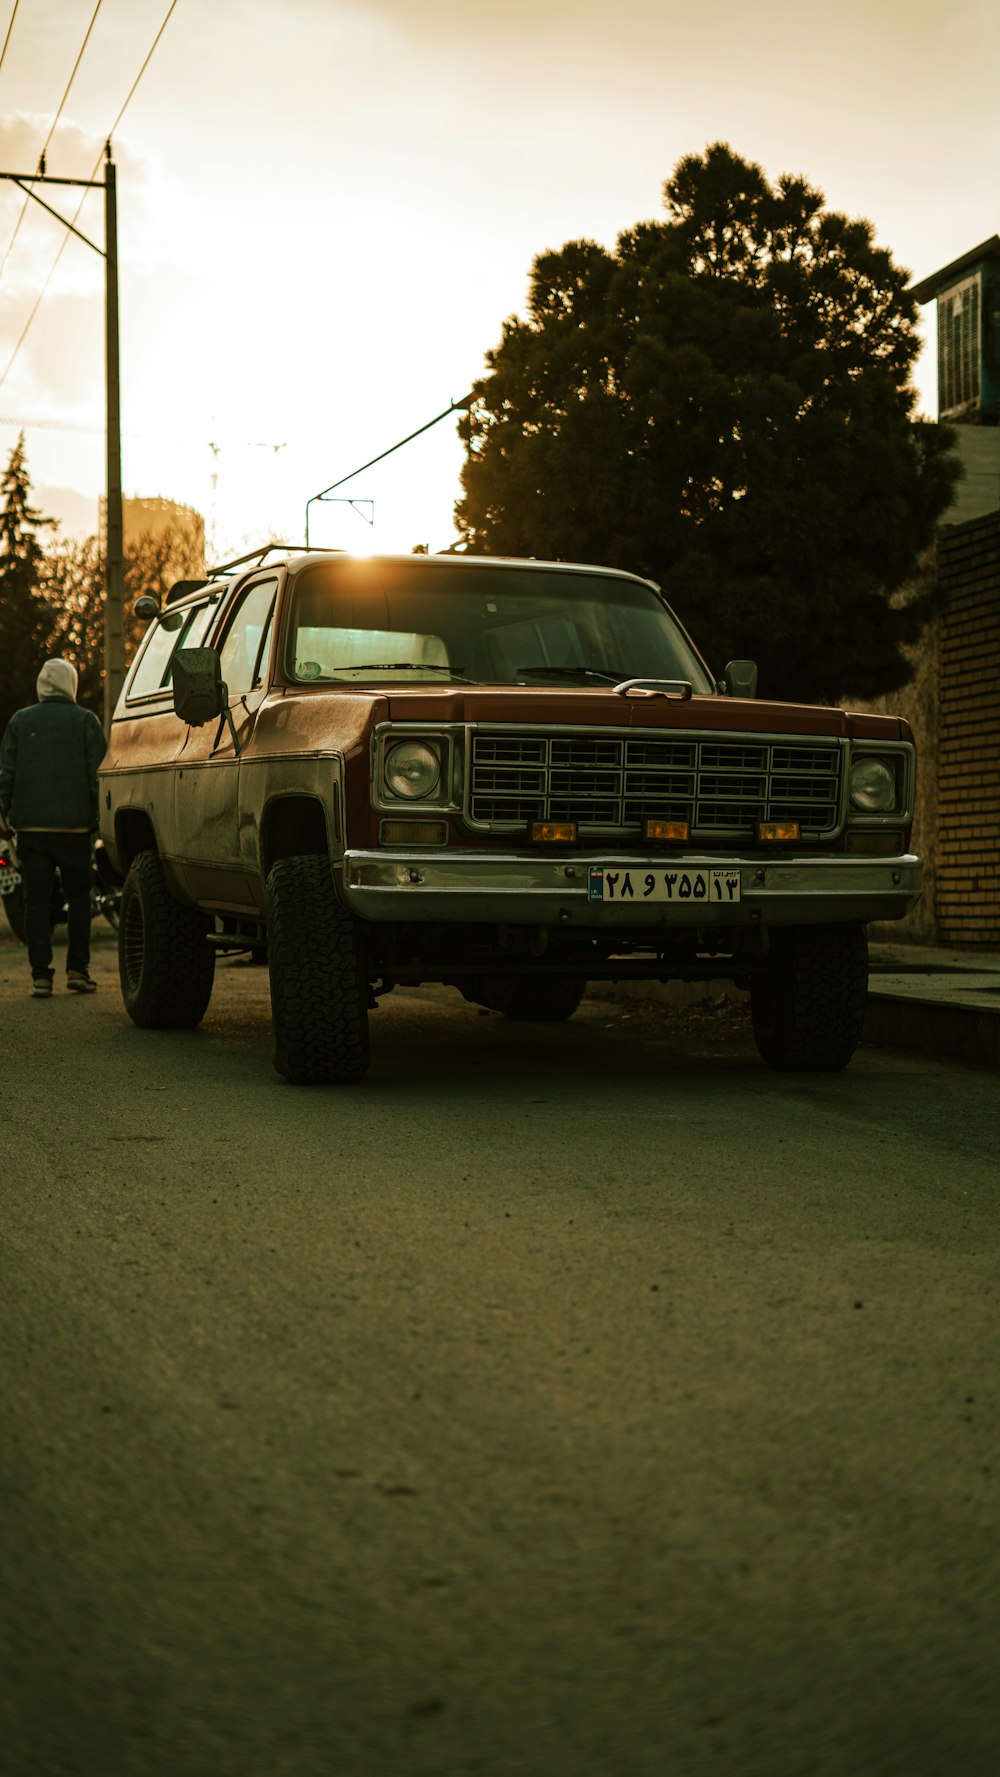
(181, 588)
(258, 555)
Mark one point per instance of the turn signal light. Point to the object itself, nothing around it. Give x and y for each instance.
(413, 833)
(778, 830)
(554, 832)
(666, 830)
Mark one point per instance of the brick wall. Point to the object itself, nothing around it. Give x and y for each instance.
(917, 703)
(967, 886)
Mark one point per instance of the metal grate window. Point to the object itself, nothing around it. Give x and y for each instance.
(959, 347)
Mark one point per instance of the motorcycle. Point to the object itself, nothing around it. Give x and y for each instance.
(105, 890)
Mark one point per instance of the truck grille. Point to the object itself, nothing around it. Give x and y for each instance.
(609, 782)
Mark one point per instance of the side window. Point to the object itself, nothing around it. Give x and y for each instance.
(245, 641)
(182, 628)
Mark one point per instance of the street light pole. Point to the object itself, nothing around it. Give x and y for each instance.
(114, 553)
(452, 407)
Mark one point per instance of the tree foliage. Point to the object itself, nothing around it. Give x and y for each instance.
(23, 611)
(724, 404)
(73, 590)
(52, 599)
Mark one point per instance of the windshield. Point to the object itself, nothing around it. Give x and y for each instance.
(362, 619)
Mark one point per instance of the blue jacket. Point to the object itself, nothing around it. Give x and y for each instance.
(48, 766)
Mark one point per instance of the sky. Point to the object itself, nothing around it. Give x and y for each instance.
(327, 209)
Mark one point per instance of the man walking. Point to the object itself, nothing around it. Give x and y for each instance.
(48, 795)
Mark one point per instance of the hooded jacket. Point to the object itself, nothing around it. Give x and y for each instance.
(49, 759)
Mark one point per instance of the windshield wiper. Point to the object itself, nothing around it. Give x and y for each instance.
(400, 666)
(578, 672)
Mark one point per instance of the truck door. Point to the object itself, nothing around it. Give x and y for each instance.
(206, 781)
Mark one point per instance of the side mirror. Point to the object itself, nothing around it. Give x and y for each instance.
(147, 607)
(739, 679)
(199, 694)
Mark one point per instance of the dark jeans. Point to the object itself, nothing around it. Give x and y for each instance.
(41, 855)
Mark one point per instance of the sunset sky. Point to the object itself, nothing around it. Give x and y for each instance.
(326, 211)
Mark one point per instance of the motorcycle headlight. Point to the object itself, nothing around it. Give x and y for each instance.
(412, 769)
(873, 786)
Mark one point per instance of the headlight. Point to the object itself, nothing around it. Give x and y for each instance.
(873, 786)
(412, 769)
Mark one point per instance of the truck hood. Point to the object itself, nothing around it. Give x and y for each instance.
(342, 720)
(604, 709)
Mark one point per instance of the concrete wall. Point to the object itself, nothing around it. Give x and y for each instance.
(978, 492)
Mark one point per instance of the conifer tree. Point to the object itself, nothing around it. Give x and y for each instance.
(25, 617)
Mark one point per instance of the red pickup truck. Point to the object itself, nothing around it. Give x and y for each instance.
(514, 777)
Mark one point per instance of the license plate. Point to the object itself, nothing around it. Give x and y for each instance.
(9, 880)
(612, 883)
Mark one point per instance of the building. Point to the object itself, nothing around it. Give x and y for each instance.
(159, 518)
(953, 701)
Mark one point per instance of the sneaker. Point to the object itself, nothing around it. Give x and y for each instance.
(78, 981)
(41, 987)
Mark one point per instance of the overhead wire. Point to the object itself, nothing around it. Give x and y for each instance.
(105, 150)
(6, 41)
(52, 130)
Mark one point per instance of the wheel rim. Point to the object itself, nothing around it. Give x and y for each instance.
(133, 936)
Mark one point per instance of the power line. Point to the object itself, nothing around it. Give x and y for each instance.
(10, 27)
(52, 130)
(9, 419)
(69, 83)
(139, 76)
(128, 100)
(161, 437)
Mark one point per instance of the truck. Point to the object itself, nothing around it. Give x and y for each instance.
(513, 777)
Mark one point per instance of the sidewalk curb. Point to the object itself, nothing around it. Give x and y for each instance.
(952, 1033)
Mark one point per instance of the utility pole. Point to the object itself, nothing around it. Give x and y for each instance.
(114, 553)
(114, 558)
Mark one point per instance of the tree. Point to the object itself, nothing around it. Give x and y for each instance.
(23, 612)
(724, 404)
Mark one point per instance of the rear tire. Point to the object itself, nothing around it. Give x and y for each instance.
(319, 988)
(165, 962)
(545, 1000)
(808, 1007)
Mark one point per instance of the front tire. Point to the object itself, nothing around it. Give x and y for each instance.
(808, 1007)
(165, 963)
(319, 988)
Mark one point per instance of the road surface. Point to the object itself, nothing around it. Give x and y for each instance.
(573, 1399)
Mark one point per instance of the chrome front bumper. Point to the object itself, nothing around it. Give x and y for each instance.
(491, 887)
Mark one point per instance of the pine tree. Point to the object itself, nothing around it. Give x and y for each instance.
(25, 617)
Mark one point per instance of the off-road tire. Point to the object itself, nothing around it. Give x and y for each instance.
(319, 988)
(808, 1007)
(165, 963)
(545, 999)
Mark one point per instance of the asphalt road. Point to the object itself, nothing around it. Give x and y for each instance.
(579, 1399)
